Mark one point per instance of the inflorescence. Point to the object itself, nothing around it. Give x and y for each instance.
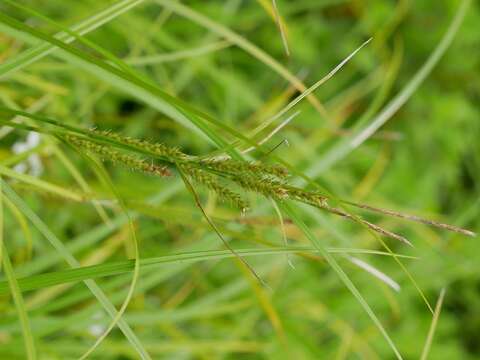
(107, 153)
(219, 175)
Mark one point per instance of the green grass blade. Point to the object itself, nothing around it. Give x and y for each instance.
(20, 307)
(433, 326)
(281, 29)
(40, 281)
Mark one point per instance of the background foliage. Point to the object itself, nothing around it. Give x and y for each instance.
(425, 160)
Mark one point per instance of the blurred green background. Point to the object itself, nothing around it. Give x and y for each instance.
(425, 160)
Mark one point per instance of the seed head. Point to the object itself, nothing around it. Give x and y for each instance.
(117, 157)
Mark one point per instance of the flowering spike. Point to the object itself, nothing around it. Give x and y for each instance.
(130, 161)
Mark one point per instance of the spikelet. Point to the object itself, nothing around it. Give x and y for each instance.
(279, 189)
(171, 153)
(309, 197)
(267, 187)
(253, 168)
(107, 153)
(211, 182)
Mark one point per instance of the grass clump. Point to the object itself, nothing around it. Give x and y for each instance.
(212, 86)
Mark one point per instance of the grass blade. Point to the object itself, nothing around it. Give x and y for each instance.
(433, 326)
(375, 272)
(280, 25)
(40, 281)
(15, 290)
(20, 307)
